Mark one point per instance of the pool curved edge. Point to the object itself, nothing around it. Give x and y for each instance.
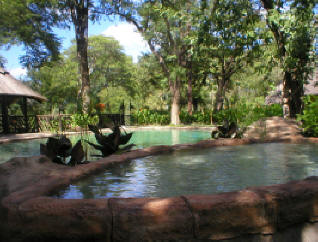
(27, 213)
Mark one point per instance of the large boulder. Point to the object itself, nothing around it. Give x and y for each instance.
(273, 128)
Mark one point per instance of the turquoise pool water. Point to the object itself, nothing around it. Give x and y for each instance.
(205, 171)
(141, 138)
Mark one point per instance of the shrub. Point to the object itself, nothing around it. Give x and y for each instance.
(144, 117)
(83, 120)
(245, 115)
(309, 118)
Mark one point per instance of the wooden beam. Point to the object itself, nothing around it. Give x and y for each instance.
(5, 116)
(25, 114)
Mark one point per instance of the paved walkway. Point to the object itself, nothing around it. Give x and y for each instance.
(5, 138)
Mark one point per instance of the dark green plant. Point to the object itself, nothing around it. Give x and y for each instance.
(309, 118)
(144, 117)
(186, 118)
(60, 148)
(83, 120)
(227, 130)
(196, 117)
(109, 144)
(244, 114)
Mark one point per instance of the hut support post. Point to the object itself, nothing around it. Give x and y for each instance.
(5, 116)
(25, 114)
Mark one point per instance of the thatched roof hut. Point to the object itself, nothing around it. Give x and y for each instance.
(12, 89)
(309, 89)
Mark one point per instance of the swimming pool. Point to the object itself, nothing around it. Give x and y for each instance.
(141, 138)
(203, 171)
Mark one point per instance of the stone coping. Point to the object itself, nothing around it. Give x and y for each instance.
(19, 137)
(28, 213)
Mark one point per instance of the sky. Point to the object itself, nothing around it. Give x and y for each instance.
(127, 35)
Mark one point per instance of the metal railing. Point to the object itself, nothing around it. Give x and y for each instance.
(18, 124)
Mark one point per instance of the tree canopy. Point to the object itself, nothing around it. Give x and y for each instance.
(206, 56)
(29, 23)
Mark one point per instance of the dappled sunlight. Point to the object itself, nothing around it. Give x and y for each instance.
(159, 206)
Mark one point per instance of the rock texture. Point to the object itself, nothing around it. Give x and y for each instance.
(273, 128)
(286, 212)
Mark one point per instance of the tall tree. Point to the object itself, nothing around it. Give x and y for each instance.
(166, 27)
(291, 23)
(79, 12)
(29, 23)
(111, 74)
(226, 40)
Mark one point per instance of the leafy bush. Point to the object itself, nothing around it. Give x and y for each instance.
(202, 117)
(244, 114)
(241, 114)
(186, 118)
(196, 117)
(309, 118)
(83, 120)
(143, 117)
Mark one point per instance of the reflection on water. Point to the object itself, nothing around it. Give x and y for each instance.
(142, 139)
(21, 148)
(204, 171)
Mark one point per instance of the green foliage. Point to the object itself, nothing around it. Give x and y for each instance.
(113, 77)
(245, 115)
(83, 120)
(242, 114)
(309, 118)
(54, 124)
(294, 29)
(58, 81)
(29, 23)
(196, 117)
(211, 44)
(144, 117)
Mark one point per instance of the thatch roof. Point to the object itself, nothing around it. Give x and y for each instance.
(309, 89)
(9, 86)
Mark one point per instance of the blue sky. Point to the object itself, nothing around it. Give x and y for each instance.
(125, 33)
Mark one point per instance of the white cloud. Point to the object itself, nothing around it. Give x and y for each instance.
(18, 72)
(128, 37)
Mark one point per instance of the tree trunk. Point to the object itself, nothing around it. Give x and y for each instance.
(219, 96)
(5, 115)
(297, 92)
(25, 114)
(175, 106)
(292, 84)
(286, 94)
(292, 94)
(80, 21)
(189, 92)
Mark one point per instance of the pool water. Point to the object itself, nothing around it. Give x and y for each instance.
(141, 138)
(147, 138)
(206, 171)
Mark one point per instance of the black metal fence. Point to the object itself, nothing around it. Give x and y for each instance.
(18, 124)
(62, 122)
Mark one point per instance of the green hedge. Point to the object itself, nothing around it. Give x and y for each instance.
(144, 117)
(309, 118)
(244, 115)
